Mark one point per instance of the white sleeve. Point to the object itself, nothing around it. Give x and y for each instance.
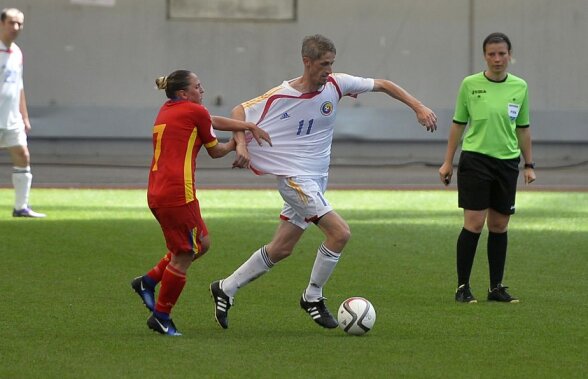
(254, 108)
(353, 85)
(253, 111)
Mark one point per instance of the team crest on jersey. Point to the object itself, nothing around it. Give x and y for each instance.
(327, 108)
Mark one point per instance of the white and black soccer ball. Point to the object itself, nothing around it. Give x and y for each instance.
(356, 316)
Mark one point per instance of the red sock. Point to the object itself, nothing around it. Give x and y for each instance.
(172, 284)
(156, 272)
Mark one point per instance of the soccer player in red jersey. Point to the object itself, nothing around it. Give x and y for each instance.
(181, 128)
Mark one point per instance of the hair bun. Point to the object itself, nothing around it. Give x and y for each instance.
(161, 82)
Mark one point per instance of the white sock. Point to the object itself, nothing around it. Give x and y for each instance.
(21, 180)
(324, 264)
(257, 265)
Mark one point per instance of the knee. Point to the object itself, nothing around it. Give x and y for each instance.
(278, 252)
(474, 224)
(21, 157)
(474, 228)
(340, 235)
(26, 159)
(343, 235)
(497, 222)
(203, 248)
(497, 227)
(181, 261)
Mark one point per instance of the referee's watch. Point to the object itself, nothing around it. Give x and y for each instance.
(530, 165)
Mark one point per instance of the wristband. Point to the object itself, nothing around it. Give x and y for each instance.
(530, 165)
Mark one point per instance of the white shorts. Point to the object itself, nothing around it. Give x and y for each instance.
(12, 137)
(304, 199)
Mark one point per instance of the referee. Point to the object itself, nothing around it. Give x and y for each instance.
(495, 105)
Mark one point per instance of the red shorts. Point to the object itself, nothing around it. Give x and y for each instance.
(182, 227)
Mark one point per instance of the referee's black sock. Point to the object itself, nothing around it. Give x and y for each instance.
(497, 243)
(467, 242)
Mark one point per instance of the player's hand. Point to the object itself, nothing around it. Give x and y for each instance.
(242, 159)
(259, 134)
(427, 118)
(27, 126)
(445, 173)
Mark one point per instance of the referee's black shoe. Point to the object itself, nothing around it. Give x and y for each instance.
(499, 294)
(463, 294)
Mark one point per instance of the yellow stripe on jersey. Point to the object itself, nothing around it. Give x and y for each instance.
(188, 168)
(298, 190)
(261, 98)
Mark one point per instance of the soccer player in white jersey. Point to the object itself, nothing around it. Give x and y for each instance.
(14, 118)
(299, 115)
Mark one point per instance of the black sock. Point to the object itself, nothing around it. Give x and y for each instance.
(467, 242)
(497, 243)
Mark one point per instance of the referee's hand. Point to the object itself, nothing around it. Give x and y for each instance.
(445, 173)
(529, 175)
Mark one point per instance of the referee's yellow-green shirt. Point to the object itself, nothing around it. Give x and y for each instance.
(493, 111)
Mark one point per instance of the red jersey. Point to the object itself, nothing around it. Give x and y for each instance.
(181, 128)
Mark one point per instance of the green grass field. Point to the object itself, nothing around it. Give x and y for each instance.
(68, 311)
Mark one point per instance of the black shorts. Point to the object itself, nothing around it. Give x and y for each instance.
(485, 182)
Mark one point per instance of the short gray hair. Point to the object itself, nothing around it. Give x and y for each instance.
(315, 46)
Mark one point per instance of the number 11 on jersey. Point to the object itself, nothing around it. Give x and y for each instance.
(301, 126)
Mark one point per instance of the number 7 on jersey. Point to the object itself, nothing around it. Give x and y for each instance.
(158, 130)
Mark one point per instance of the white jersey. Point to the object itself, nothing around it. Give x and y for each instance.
(10, 86)
(300, 126)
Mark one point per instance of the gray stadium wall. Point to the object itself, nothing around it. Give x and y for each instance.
(90, 70)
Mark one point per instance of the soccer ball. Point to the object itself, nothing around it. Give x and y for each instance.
(356, 316)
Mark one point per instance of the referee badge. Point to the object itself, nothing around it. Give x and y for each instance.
(513, 111)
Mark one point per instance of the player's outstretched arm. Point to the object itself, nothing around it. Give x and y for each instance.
(231, 125)
(425, 116)
(221, 149)
(242, 159)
